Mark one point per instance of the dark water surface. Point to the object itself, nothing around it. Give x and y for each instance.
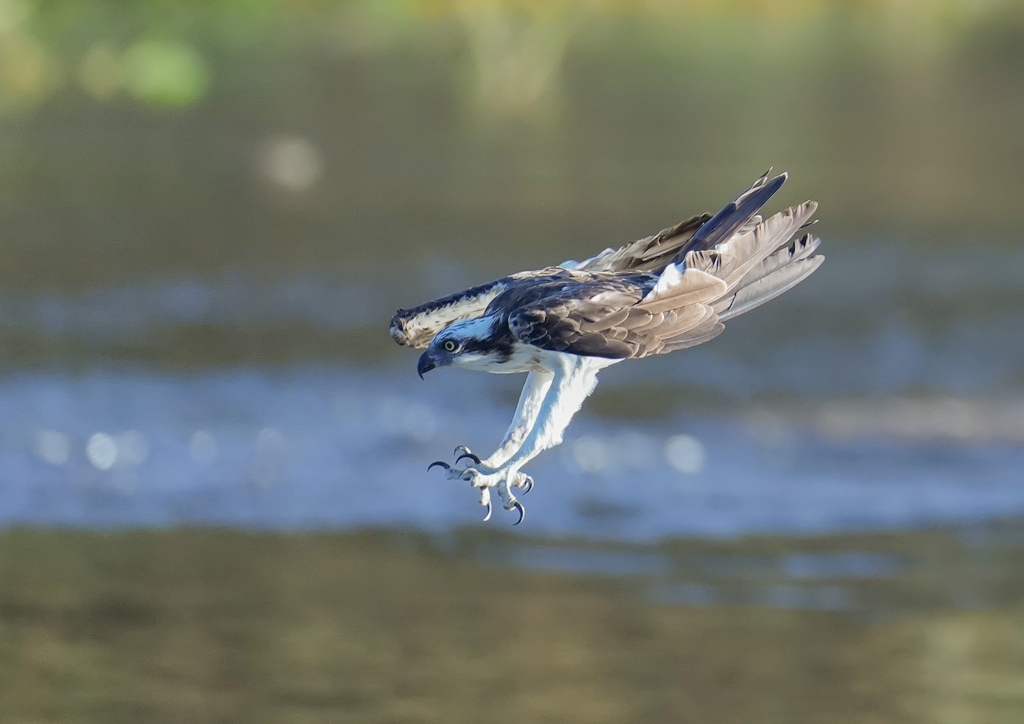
(214, 626)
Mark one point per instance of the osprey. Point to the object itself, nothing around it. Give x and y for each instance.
(562, 324)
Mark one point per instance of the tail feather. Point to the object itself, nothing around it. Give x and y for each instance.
(733, 259)
(751, 224)
(762, 288)
(737, 261)
(794, 251)
(670, 246)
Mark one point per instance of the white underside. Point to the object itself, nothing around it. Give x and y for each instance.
(553, 393)
(569, 379)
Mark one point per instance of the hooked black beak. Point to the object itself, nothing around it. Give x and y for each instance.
(425, 364)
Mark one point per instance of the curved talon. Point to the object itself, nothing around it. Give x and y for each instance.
(464, 452)
(488, 504)
(527, 485)
(522, 513)
(442, 463)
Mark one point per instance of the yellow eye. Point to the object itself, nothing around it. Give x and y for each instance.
(449, 345)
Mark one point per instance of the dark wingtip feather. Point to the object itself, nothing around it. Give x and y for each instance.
(733, 215)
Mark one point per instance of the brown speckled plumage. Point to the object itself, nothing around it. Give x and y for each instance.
(611, 305)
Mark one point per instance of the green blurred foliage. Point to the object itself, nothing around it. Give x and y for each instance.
(159, 51)
(165, 72)
(144, 138)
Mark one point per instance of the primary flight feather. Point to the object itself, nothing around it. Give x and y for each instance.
(562, 324)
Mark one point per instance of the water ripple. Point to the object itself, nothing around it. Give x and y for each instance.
(323, 447)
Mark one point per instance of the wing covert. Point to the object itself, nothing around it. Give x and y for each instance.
(610, 318)
(650, 254)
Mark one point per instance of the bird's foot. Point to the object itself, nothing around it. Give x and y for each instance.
(485, 478)
(520, 480)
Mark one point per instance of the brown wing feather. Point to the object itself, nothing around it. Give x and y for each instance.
(737, 262)
(650, 254)
(665, 292)
(578, 318)
(604, 317)
(415, 327)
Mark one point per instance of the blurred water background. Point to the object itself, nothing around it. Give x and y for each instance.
(208, 213)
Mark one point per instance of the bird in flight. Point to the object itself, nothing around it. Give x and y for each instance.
(563, 324)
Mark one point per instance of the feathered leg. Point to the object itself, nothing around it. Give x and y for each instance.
(530, 400)
(572, 381)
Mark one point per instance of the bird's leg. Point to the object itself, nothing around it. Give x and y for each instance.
(571, 383)
(536, 387)
(530, 401)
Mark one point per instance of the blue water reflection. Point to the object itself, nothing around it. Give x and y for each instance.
(311, 446)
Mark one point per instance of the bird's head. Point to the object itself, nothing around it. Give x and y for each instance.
(467, 343)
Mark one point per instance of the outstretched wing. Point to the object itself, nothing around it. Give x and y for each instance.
(735, 246)
(733, 263)
(415, 327)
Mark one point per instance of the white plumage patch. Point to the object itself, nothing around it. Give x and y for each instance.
(474, 328)
(417, 330)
